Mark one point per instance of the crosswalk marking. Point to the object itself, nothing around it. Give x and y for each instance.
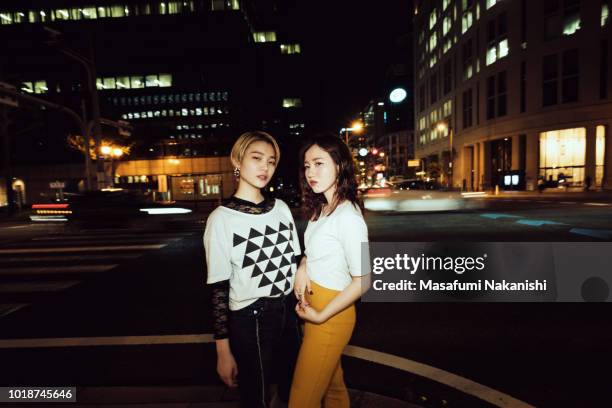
(45, 265)
(55, 269)
(118, 236)
(81, 249)
(51, 258)
(7, 309)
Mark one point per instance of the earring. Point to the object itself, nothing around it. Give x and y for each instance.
(237, 172)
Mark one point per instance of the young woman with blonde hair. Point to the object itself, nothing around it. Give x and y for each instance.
(251, 243)
(330, 277)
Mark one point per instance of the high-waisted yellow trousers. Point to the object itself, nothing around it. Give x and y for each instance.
(318, 374)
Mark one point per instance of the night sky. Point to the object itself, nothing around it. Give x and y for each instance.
(348, 46)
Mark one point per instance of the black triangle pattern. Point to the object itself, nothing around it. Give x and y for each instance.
(275, 291)
(265, 282)
(282, 267)
(254, 233)
(279, 277)
(284, 262)
(267, 243)
(262, 257)
(238, 240)
(276, 253)
(256, 272)
(251, 247)
(247, 262)
(271, 267)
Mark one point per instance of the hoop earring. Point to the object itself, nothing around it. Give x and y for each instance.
(237, 172)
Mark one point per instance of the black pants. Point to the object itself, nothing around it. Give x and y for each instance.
(265, 339)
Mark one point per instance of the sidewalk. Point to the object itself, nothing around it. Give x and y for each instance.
(189, 397)
(554, 193)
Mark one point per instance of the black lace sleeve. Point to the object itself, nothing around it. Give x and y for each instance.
(220, 309)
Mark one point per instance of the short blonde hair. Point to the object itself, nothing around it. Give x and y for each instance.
(246, 139)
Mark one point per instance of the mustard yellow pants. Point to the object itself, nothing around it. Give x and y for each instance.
(318, 374)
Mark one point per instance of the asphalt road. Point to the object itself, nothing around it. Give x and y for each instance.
(57, 282)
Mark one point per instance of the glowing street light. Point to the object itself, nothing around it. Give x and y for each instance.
(442, 127)
(117, 152)
(356, 127)
(105, 150)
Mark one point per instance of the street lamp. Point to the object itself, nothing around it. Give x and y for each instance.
(356, 127)
(113, 153)
(443, 126)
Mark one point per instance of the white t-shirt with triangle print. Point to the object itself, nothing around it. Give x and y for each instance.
(256, 252)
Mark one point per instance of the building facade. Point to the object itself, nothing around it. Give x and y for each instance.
(188, 76)
(513, 93)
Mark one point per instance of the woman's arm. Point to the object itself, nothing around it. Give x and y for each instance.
(358, 286)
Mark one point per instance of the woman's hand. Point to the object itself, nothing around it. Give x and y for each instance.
(226, 364)
(302, 284)
(309, 314)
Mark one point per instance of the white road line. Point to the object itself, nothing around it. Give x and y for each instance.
(40, 270)
(18, 226)
(25, 287)
(99, 237)
(462, 384)
(542, 202)
(98, 248)
(107, 341)
(7, 309)
(568, 202)
(597, 204)
(50, 258)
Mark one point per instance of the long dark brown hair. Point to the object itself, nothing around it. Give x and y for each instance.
(346, 184)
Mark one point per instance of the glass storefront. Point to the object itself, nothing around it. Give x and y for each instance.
(562, 156)
(193, 188)
(600, 154)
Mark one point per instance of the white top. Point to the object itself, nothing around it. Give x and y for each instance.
(256, 252)
(333, 247)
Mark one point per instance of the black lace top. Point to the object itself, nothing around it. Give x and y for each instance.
(220, 290)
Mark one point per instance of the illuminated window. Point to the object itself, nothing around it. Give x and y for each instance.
(88, 12)
(264, 36)
(433, 41)
(497, 41)
(445, 4)
(62, 14)
(562, 155)
(123, 82)
(40, 87)
(571, 17)
(605, 13)
(137, 82)
(433, 18)
(117, 11)
(6, 18)
(446, 25)
(27, 87)
(221, 5)
(290, 49)
(491, 3)
(447, 108)
(292, 103)
(466, 21)
(165, 80)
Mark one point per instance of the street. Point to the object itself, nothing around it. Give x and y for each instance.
(134, 303)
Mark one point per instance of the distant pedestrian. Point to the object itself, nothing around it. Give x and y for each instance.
(251, 245)
(330, 277)
(587, 183)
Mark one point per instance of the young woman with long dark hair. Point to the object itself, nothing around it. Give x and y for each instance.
(330, 277)
(251, 243)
